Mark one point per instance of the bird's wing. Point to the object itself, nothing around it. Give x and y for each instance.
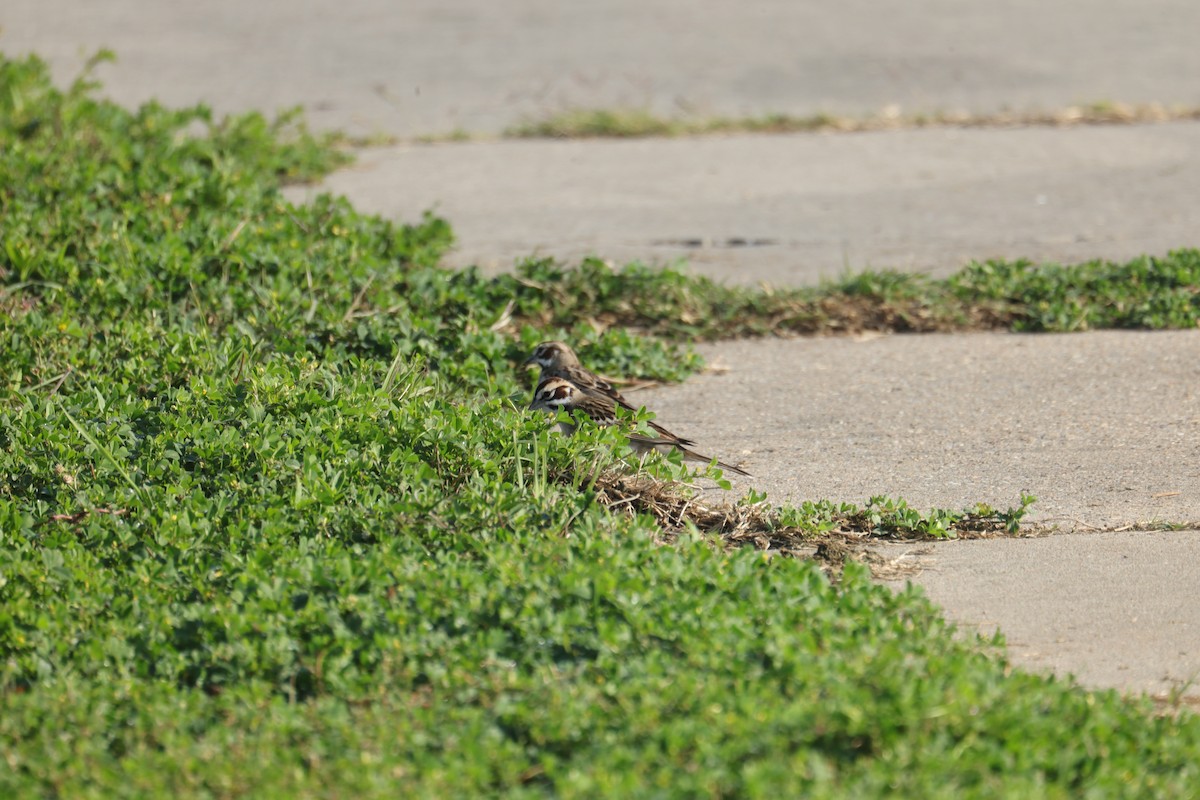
(597, 387)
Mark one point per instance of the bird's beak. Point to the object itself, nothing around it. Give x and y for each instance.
(529, 361)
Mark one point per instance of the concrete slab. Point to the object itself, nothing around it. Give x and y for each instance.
(431, 66)
(801, 207)
(1103, 428)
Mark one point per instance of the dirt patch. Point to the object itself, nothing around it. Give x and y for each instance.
(842, 314)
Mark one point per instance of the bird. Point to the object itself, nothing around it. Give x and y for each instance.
(557, 360)
(554, 394)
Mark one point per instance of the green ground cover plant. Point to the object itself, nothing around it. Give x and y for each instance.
(274, 523)
(1151, 292)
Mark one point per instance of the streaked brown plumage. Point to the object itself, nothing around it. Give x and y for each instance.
(557, 360)
(555, 393)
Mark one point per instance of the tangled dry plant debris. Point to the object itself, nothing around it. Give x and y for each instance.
(678, 507)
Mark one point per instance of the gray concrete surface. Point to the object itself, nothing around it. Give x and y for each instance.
(928, 200)
(431, 66)
(1102, 427)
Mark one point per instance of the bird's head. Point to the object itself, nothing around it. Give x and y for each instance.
(552, 395)
(552, 355)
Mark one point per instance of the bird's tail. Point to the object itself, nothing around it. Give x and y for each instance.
(732, 468)
(643, 445)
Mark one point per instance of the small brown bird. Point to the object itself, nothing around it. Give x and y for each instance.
(556, 393)
(557, 360)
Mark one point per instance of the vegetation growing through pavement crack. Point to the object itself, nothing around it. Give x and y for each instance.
(1153, 292)
(642, 123)
(272, 520)
(626, 123)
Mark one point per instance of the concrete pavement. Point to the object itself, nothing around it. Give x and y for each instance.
(432, 66)
(1102, 427)
(810, 206)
